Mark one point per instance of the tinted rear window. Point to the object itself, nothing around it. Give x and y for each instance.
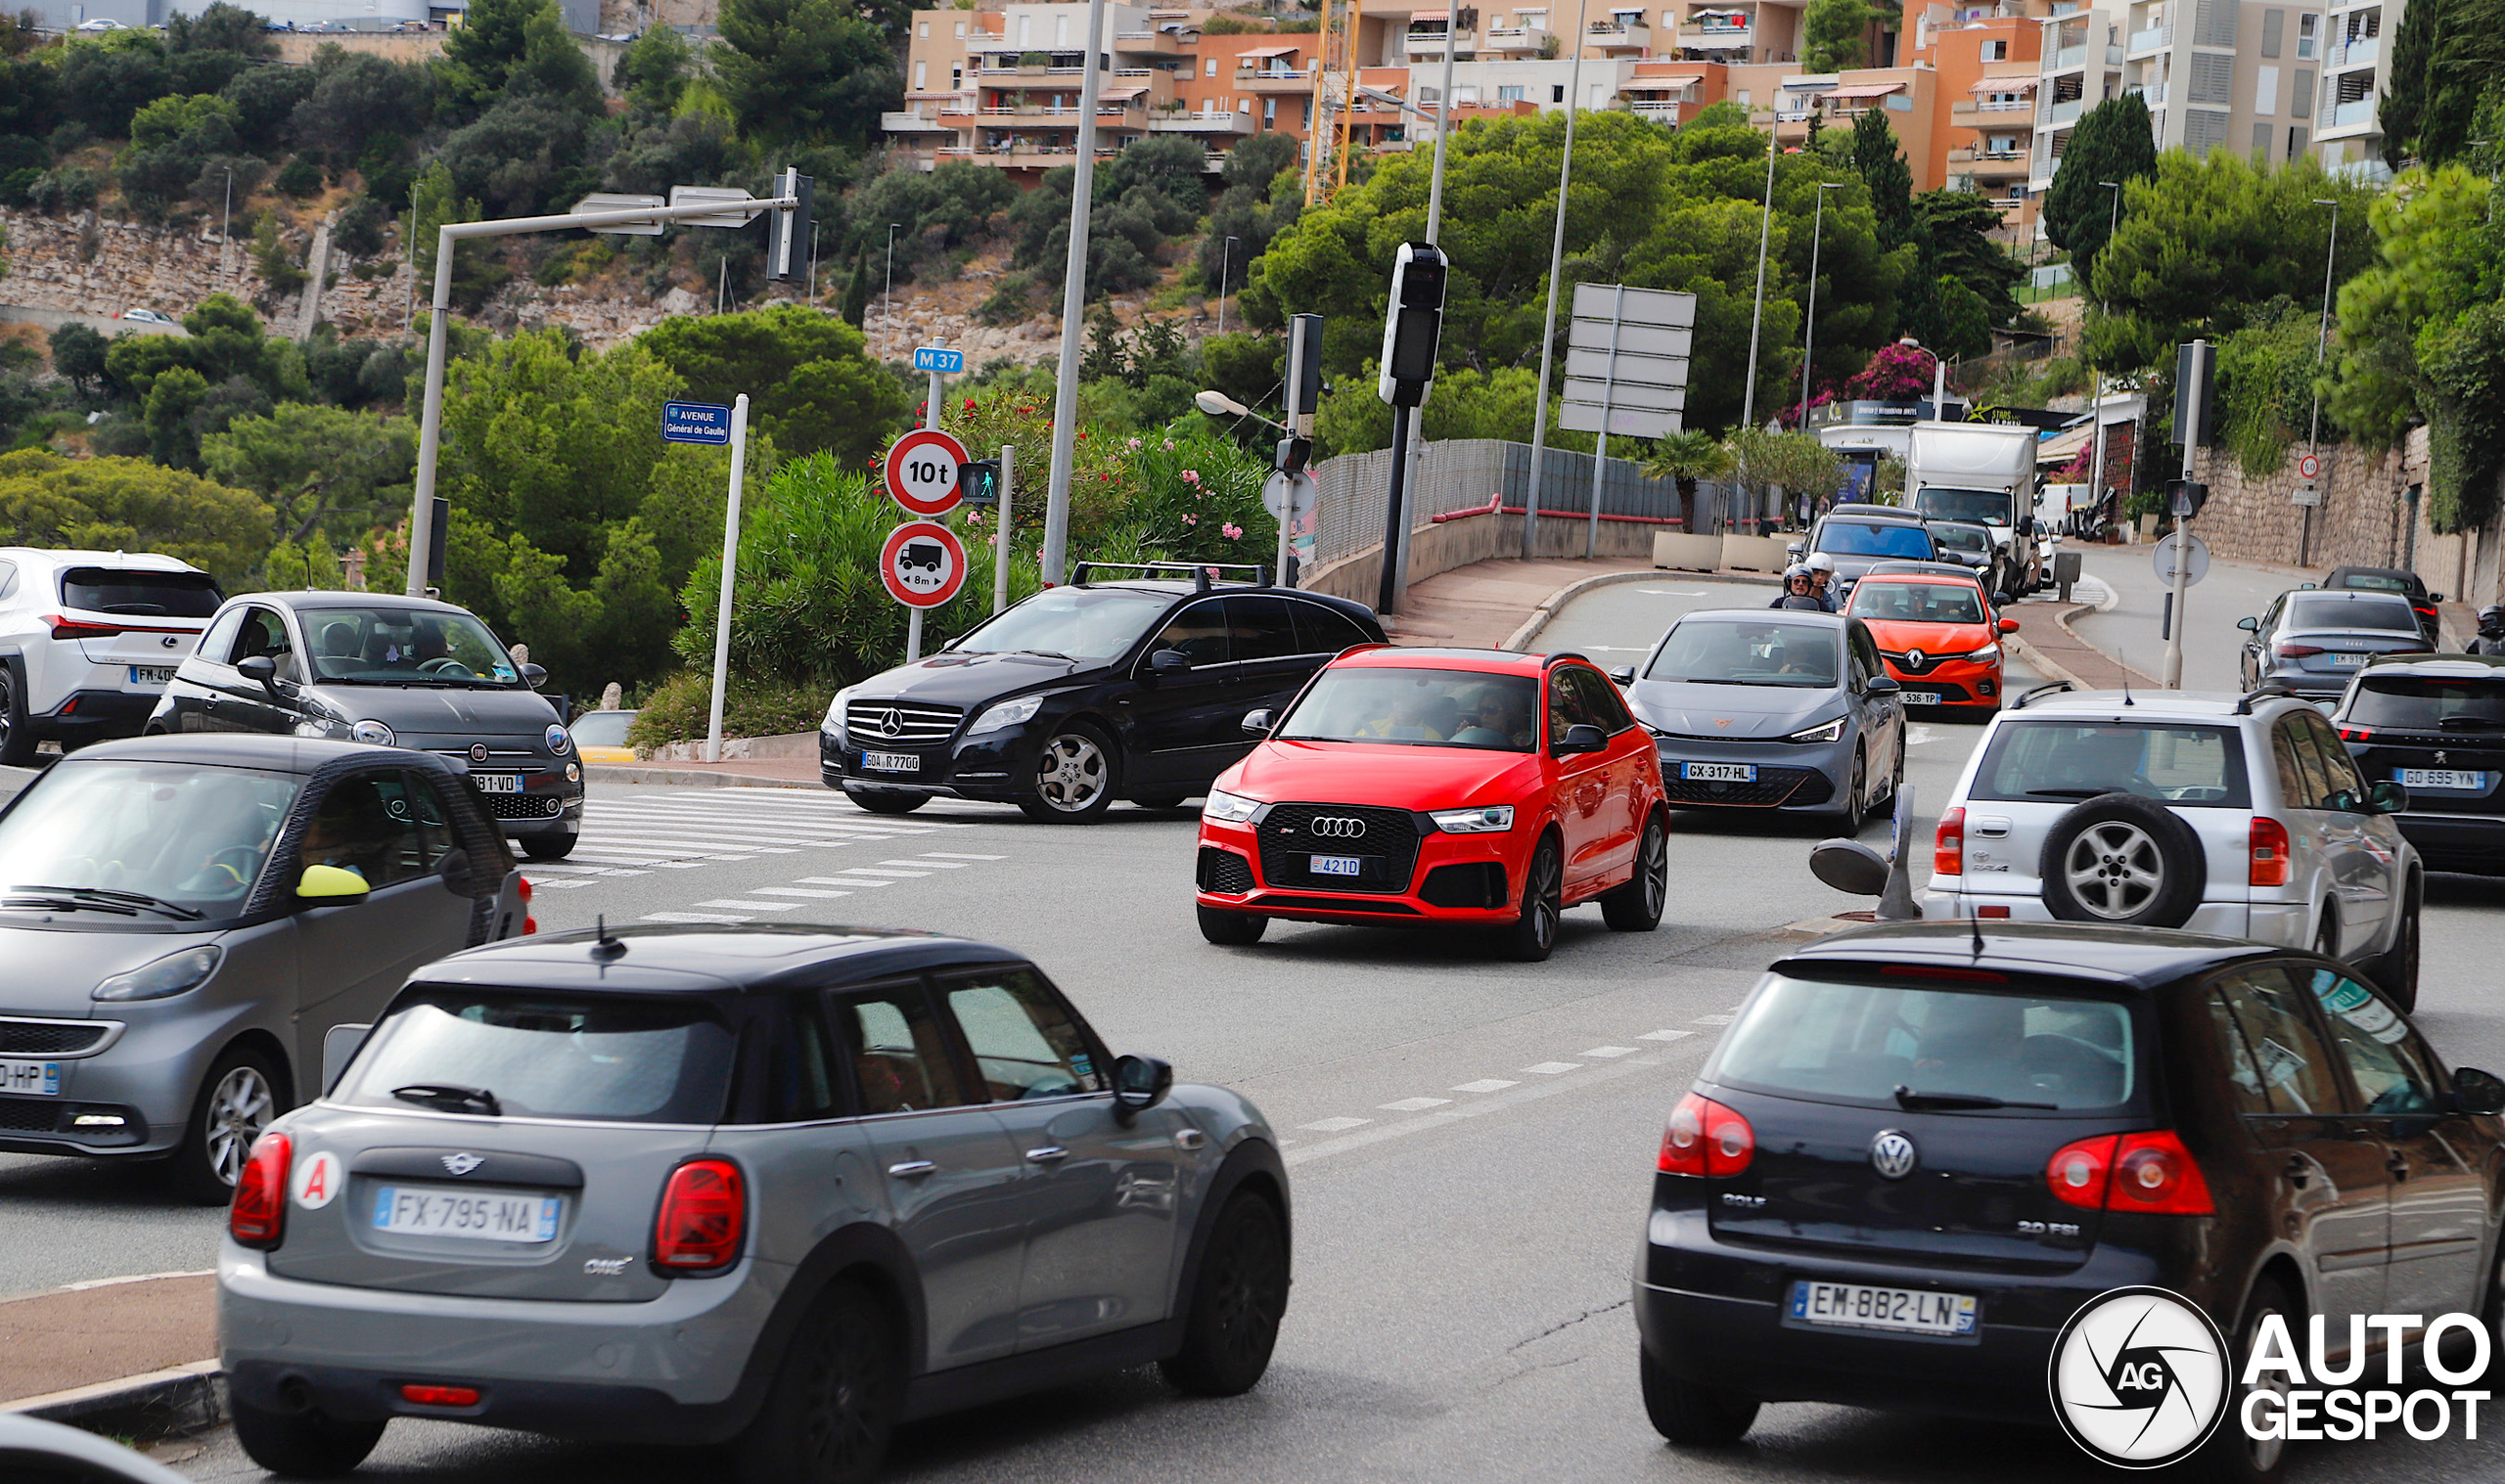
(2050, 761)
(2350, 614)
(1855, 538)
(150, 595)
(595, 1058)
(2426, 702)
(2371, 582)
(1839, 1042)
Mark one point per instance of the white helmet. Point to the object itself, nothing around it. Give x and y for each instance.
(1820, 561)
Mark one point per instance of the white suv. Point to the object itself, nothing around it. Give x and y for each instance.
(88, 640)
(2239, 817)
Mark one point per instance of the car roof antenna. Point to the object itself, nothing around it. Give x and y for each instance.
(2126, 661)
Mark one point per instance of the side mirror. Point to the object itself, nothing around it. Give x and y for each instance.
(262, 670)
(1882, 685)
(2434, 596)
(1140, 1083)
(1257, 723)
(533, 676)
(1795, 549)
(2308, 587)
(331, 886)
(1169, 662)
(2009, 626)
(1582, 739)
(1850, 865)
(2478, 1091)
(454, 868)
(340, 1046)
(2249, 625)
(1624, 675)
(2389, 797)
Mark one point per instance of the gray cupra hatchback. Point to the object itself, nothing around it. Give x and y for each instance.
(776, 1186)
(183, 919)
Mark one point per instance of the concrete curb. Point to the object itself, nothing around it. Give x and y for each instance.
(686, 777)
(181, 1399)
(1519, 641)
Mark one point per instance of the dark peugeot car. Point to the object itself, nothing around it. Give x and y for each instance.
(2435, 725)
(2312, 642)
(393, 671)
(1081, 694)
(2391, 580)
(1921, 1149)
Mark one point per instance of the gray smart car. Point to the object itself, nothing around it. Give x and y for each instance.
(182, 919)
(784, 1187)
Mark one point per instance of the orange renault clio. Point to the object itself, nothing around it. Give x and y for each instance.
(1937, 635)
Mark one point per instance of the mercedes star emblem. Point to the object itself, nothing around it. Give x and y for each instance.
(1892, 1154)
(892, 724)
(1338, 827)
(462, 1163)
(477, 752)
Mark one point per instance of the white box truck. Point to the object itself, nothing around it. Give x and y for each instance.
(1982, 472)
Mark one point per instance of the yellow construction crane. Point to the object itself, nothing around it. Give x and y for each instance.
(1335, 95)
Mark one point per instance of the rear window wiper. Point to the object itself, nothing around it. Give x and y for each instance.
(119, 899)
(1907, 1097)
(450, 1098)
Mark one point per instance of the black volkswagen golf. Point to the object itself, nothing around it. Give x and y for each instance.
(1131, 688)
(1920, 1150)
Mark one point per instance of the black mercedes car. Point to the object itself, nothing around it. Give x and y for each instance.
(1923, 1148)
(1134, 689)
(408, 672)
(2435, 724)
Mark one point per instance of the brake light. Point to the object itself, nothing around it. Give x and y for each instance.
(440, 1396)
(1944, 971)
(530, 923)
(78, 628)
(2148, 1172)
(1704, 1138)
(1948, 852)
(258, 1215)
(2269, 865)
(2295, 650)
(2356, 734)
(702, 1218)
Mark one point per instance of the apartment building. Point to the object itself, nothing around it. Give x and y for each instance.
(2238, 75)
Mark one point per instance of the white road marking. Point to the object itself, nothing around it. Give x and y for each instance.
(1335, 1125)
(1608, 1051)
(840, 881)
(1916, 733)
(1552, 1068)
(742, 904)
(537, 866)
(929, 865)
(1673, 592)
(1713, 1019)
(1414, 1105)
(560, 884)
(881, 871)
(1401, 1128)
(1486, 1085)
(659, 843)
(953, 855)
(691, 917)
(797, 892)
(1665, 1035)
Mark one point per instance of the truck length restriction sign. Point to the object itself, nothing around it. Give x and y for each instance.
(923, 564)
(922, 471)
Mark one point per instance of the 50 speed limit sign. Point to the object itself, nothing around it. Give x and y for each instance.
(922, 471)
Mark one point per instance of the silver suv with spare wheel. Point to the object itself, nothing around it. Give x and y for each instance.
(2242, 816)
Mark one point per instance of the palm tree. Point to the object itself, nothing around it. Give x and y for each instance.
(1686, 457)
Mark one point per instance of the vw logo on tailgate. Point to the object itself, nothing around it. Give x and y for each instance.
(1338, 827)
(1892, 1154)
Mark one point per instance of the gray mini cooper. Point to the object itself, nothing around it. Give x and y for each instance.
(776, 1186)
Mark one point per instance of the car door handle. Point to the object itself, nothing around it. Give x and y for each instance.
(908, 1169)
(2300, 1170)
(1051, 1153)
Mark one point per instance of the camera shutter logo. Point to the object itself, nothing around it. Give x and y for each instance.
(1339, 828)
(2140, 1378)
(1892, 1154)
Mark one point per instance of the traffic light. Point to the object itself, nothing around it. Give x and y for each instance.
(1412, 325)
(979, 482)
(2185, 497)
(1291, 456)
(789, 228)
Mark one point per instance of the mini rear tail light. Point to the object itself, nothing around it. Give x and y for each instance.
(702, 1218)
(2148, 1172)
(2269, 862)
(440, 1396)
(2295, 650)
(1948, 852)
(257, 1216)
(1704, 1138)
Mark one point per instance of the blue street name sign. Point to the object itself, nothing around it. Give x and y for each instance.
(933, 358)
(695, 423)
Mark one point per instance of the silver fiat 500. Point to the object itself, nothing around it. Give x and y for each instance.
(783, 1187)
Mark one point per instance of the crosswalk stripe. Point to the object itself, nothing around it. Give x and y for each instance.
(742, 904)
(692, 917)
(843, 881)
(953, 855)
(881, 871)
(798, 891)
(929, 865)
(656, 839)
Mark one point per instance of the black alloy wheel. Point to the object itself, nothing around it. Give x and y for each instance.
(238, 1099)
(1231, 1323)
(1636, 907)
(17, 739)
(1231, 930)
(1856, 808)
(1534, 935)
(835, 1398)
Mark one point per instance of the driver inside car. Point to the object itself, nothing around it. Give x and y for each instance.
(353, 830)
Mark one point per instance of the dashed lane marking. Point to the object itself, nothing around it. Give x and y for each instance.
(926, 865)
(1665, 1035)
(1335, 1125)
(1608, 1051)
(1713, 1019)
(743, 904)
(958, 855)
(1415, 1104)
(691, 917)
(1552, 1068)
(1485, 1085)
(841, 880)
(912, 875)
(798, 891)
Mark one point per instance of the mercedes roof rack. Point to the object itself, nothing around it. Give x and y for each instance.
(1198, 571)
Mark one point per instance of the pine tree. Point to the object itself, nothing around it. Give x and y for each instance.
(856, 292)
(1882, 167)
(2410, 74)
(2112, 142)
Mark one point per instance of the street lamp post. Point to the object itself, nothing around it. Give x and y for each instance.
(1757, 316)
(1074, 306)
(1809, 328)
(2096, 377)
(2321, 344)
(1225, 270)
(1556, 270)
(226, 230)
(888, 299)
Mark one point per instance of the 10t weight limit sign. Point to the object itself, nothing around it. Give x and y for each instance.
(922, 471)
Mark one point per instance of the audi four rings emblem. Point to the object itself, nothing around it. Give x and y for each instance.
(1892, 1154)
(892, 724)
(1338, 827)
(477, 752)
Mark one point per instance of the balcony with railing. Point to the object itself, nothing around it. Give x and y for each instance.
(2357, 115)
(1517, 40)
(914, 121)
(2156, 38)
(1429, 40)
(1273, 79)
(1622, 31)
(1718, 36)
(1200, 123)
(1156, 43)
(1992, 165)
(2364, 51)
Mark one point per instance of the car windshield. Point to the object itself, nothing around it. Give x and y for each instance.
(591, 1058)
(153, 595)
(1963, 1045)
(602, 729)
(191, 837)
(2054, 760)
(1419, 706)
(1075, 622)
(1750, 651)
(2370, 582)
(2429, 702)
(2305, 615)
(1965, 538)
(1857, 538)
(1916, 602)
(398, 647)
(1988, 506)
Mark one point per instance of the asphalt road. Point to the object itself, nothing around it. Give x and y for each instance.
(1471, 1142)
(2129, 620)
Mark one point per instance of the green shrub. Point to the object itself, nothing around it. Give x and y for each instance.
(680, 708)
(300, 177)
